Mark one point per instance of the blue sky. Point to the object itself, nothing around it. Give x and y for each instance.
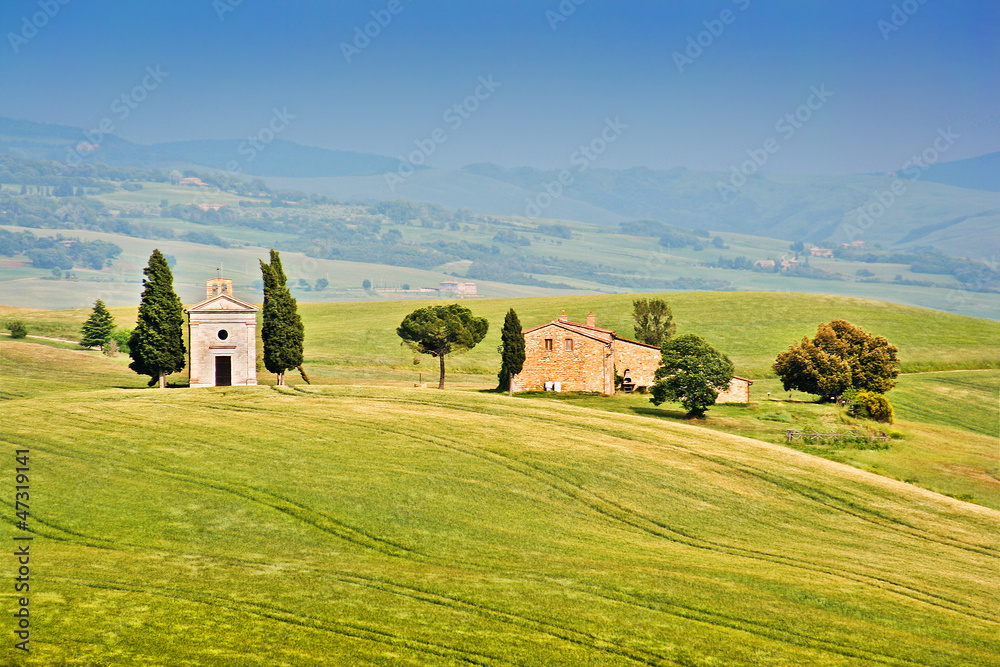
(888, 87)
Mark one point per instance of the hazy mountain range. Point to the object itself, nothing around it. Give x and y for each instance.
(953, 206)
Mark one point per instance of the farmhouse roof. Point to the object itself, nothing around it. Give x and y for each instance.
(597, 333)
(575, 328)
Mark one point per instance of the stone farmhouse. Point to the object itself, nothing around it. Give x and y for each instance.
(223, 332)
(569, 356)
(583, 357)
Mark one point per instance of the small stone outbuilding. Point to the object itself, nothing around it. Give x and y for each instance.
(583, 357)
(738, 391)
(223, 331)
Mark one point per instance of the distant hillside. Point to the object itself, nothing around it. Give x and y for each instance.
(73, 145)
(978, 173)
(279, 158)
(953, 207)
(45, 141)
(819, 209)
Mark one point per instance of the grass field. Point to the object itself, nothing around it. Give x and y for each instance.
(379, 524)
(349, 525)
(944, 436)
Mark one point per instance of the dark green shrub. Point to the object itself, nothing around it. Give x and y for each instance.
(17, 329)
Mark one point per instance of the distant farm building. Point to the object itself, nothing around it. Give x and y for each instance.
(223, 331)
(193, 180)
(457, 288)
(737, 392)
(821, 252)
(569, 356)
(764, 263)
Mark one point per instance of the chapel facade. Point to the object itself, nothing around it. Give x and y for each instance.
(223, 338)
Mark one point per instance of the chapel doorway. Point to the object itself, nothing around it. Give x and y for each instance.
(223, 371)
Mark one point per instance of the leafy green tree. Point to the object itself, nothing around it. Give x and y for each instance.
(282, 330)
(122, 337)
(366, 284)
(157, 342)
(654, 321)
(841, 356)
(693, 372)
(99, 326)
(441, 330)
(322, 284)
(512, 353)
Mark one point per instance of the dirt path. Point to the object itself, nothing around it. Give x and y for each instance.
(58, 340)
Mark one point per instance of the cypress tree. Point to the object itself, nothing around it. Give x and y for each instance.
(157, 343)
(282, 330)
(512, 353)
(98, 328)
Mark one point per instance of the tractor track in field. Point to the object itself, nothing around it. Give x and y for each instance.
(681, 611)
(276, 613)
(756, 628)
(604, 506)
(617, 512)
(585, 639)
(863, 514)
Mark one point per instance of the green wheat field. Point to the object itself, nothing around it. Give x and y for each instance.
(362, 521)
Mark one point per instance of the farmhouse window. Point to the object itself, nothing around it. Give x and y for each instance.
(548, 344)
(568, 345)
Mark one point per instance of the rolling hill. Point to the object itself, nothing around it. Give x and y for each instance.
(361, 521)
(376, 525)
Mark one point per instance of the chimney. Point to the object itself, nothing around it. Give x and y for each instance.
(591, 320)
(562, 317)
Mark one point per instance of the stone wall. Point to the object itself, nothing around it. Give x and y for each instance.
(738, 391)
(640, 360)
(584, 368)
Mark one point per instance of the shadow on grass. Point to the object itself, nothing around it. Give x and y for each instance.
(663, 414)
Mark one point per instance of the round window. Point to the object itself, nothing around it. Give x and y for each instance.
(223, 334)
